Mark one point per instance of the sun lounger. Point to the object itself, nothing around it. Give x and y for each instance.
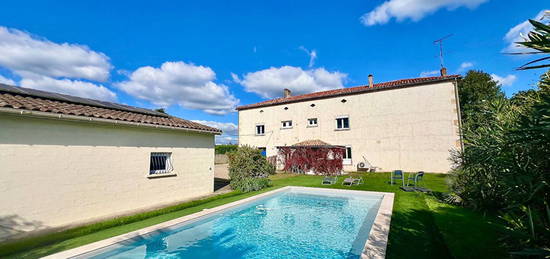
(329, 180)
(352, 181)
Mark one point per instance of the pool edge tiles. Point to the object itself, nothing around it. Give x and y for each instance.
(374, 247)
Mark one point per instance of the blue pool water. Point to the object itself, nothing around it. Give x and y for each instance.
(290, 224)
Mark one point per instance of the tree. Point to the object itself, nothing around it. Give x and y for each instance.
(161, 110)
(475, 90)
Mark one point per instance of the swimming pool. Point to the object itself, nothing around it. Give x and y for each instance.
(291, 222)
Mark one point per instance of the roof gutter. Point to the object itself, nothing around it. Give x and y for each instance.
(56, 116)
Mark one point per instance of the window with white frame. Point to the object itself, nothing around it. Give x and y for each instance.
(347, 156)
(286, 124)
(342, 123)
(312, 122)
(161, 163)
(260, 129)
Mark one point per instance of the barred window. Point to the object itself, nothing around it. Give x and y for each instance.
(161, 163)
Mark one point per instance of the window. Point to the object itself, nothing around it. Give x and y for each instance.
(347, 156)
(263, 150)
(287, 124)
(260, 130)
(342, 123)
(161, 163)
(312, 122)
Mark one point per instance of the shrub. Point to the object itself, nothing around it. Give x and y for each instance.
(248, 169)
(250, 184)
(223, 149)
(504, 168)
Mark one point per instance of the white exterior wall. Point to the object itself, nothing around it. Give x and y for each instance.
(54, 173)
(411, 128)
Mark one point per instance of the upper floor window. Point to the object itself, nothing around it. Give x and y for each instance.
(312, 122)
(260, 129)
(160, 163)
(286, 124)
(342, 122)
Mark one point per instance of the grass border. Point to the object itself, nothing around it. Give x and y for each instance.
(28, 243)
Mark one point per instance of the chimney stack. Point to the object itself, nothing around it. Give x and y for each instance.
(443, 71)
(371, 83)
(286, 93)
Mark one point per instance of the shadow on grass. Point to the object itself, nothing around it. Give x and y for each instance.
(414, 234)
(467, 233)
(220, 183)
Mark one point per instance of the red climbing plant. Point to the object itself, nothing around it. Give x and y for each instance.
(319, 160)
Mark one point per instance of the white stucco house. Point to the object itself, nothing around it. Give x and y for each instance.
(408, 124)
(66, 160)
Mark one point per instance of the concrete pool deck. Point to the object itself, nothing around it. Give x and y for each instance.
(375, 247)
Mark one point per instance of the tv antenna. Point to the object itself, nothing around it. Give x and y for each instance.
(440, 42)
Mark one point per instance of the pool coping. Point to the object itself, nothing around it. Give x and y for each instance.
(375, 247)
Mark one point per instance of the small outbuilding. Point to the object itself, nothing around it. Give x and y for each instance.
(67, 160)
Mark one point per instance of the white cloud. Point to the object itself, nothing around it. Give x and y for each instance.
(429, 73)
(412, 9)
(7, 81)
(312, 56)
(187, 85)
(464, 66)
(230, 131)
(54, 67)
(504, 81)
(29, 56)
(269, 83)
(516, 34)
(70, 87)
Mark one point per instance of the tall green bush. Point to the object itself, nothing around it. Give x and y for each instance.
(248, 169)
(505, 166)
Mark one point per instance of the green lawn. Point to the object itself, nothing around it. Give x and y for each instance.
(421, 227)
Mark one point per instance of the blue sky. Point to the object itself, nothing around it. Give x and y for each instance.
(200, 59)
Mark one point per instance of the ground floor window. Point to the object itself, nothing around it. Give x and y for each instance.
(263, 150)
(160, 163)
(347, 156)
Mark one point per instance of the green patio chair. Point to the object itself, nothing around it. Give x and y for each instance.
(416, 177)
(397, 175)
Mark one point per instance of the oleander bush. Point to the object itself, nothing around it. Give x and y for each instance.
(505, 166)
(249, 170)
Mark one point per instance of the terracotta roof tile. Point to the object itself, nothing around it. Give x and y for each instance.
(11, 99)
(312, 143)
(351, 90)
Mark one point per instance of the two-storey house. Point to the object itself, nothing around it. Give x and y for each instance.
(408, 124)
